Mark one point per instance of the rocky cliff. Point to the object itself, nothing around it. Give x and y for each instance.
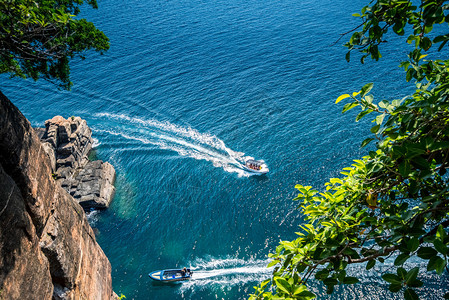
(47, 248)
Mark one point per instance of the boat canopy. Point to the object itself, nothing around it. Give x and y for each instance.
(257, 163)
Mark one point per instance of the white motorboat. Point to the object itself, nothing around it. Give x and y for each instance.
(256, 166)
(171, 275)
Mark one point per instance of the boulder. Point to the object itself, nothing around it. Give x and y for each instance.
(67, 143)
(93, 186)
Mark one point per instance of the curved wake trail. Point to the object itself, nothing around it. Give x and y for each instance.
(225, 273)
(186, 141)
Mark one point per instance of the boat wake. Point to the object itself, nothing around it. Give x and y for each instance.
(221, 273)
(92, 217)
(186, 141)
(95, 143)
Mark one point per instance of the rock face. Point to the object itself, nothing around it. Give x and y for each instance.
(47, 248)
(67, 143)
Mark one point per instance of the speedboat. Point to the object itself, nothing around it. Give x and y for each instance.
(256, 166)
(171, 275)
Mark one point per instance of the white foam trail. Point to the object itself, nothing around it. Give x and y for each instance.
(186, 141)
(126, 136)
(95, 143)
(211, 263)
(226, 273)
(247, 270)
(166, 126)
(92, 217)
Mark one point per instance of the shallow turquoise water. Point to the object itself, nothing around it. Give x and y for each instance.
(190, 88)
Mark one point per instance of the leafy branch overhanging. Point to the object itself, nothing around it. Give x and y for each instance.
(394, 202)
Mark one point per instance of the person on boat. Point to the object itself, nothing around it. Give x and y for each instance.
(183, 272)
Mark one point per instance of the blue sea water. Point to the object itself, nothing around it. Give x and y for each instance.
(187, 91)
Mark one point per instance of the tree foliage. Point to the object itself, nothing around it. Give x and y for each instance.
(39, 37)
(394, 202)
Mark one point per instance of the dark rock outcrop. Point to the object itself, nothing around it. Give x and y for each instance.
(93, 185)
(47, 248)
(67, 143)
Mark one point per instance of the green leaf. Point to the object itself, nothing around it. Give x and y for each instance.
(441, 234)
(441, 38)
(415, 283)
(305, 295)
(380, 119)
(410, 294)
(426, 252)
(264, 283)
(362, 114)
(366, 88)
(439, 146)
(344, 96)
(434, 263)
(283, 284)
(425, 43)
(272, 263)
(440, 246)
(349, 106)
(366, 142)
(384, 104)
(351, 252)
(413, 244)
(370, 264)
(375, 129)
(409, 75)
(369, 99)
(299, 289)
(442, 45)
(391, 278)
(411, 275)
(395, 287)
(401, 273)
(404, 168)
(322, 274)
(350, 280)
(441, 264)
(330, 281)
(401, 259)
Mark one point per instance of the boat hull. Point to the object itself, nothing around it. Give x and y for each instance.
(171, 275)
